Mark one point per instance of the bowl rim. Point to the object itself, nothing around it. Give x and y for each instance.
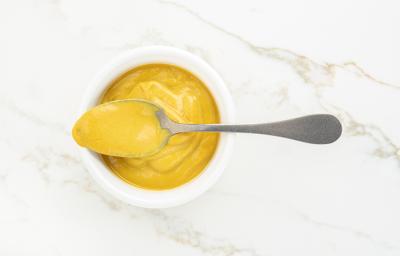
(209, 176)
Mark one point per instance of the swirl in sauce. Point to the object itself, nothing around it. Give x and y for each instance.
(185, 99)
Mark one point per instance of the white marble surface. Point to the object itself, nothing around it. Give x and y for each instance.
(280, 59)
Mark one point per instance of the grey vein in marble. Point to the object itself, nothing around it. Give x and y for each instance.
(12, 107)
(301, 64)
(310, 220)
(386, 148)
(88, 187)
(353, 231)
(363, 73)
(183, 233)
(45, 158)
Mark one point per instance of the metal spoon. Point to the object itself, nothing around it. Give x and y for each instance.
(315, 129)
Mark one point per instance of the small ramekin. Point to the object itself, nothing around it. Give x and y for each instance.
(184, 193)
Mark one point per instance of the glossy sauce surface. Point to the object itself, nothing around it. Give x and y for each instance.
(126, 128)
(184, 99)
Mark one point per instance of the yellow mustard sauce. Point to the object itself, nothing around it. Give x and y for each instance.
(184, 99)
(126, 128)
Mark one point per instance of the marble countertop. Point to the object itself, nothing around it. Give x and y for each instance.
(280, 59)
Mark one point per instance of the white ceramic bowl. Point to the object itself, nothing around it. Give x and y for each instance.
(182, 194)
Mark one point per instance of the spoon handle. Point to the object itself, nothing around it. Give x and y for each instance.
(315, 129)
